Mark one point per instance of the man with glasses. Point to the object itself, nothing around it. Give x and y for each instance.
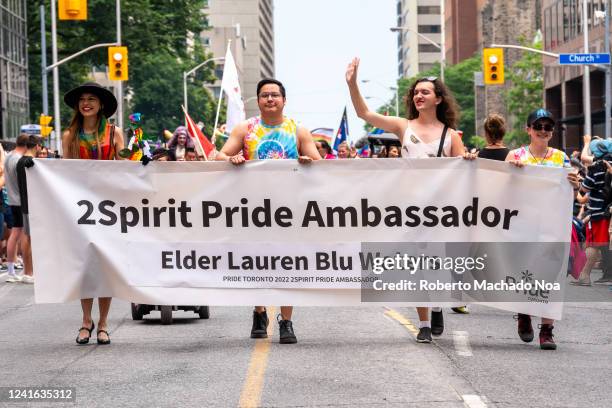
(270, 135)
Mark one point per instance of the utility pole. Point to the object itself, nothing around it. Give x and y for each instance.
(56, 101)
(608, 104)
(119, 83)
(586, 79)
(43, 61)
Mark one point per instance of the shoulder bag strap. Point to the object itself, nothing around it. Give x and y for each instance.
(441, 148)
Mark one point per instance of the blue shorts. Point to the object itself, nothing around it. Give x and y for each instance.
(8, 217)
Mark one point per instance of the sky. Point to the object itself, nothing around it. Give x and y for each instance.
(314, 42)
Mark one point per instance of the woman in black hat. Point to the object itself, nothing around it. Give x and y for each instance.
(90, 136)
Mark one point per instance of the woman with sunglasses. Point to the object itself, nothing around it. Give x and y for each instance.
(428, 131)
(540, 127)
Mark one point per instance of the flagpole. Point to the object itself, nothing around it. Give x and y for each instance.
(214, 134)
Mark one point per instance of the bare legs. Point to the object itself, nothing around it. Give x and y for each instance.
(104, 306)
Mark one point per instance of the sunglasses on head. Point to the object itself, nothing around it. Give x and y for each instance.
(429, 78)
(546, 127)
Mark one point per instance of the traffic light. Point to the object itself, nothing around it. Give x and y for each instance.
(45, 129)
(493, 66)
(118, 63)
(72, 9)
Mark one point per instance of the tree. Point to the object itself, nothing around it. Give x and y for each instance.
(526, 93)
(158, 34)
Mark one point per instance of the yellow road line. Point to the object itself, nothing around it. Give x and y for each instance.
(401, 319)
(253, 384)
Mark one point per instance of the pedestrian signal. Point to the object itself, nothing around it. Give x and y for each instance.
(45, 129)
(118, 63)
(493, 59)
(72, 9)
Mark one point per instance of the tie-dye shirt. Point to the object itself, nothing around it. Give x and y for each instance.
(554, 157)
(270, 142)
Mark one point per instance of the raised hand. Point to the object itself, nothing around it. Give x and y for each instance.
(351, 71)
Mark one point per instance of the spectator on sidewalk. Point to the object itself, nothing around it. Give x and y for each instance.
(14, 201)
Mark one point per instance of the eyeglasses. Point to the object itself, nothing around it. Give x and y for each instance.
(539, 126)
(273, 95)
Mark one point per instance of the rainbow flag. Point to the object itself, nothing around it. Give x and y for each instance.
(323, 134)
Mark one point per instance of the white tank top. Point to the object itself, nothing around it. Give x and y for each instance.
(415, 148)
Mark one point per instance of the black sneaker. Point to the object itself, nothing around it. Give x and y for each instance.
(437, 323)
(546, 337)
(424, 335)
(605, 280)
(525, 331)
(260, 325)
(287, 336)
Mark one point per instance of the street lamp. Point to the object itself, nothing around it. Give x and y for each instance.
(429, 40)
(187, 73)
(391, 88)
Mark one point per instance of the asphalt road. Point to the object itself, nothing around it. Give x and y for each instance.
(346, 357)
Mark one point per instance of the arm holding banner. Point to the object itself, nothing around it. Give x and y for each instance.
(306, 146)
(391, 124)
(233, 147)
(118, 142)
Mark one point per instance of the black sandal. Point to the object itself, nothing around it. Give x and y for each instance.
(85, 340)
(100, 341)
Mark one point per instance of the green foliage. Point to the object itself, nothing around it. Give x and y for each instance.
(478, 142)
(526, 92)
(460, 80)
(156, 33)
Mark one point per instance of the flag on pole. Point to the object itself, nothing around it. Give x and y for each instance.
(203, 145)
(323, 134)
(231, 87)
(342, 134)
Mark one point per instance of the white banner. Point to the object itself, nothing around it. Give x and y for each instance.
(276, 232)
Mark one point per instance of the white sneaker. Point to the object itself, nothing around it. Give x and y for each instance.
(13, 278)
(18, 265)
(27, 279)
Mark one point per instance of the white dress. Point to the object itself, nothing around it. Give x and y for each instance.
(414, 147)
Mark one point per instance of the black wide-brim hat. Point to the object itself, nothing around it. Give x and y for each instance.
(108, 100)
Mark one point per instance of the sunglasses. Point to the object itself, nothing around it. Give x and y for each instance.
(429, 78)
(547, 127)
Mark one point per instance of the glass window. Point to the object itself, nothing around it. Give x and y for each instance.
(429, 29)
(428, 48)
(428, 9)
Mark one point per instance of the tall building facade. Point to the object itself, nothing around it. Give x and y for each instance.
(14, 101)
(503, 22)
(563, 28)
(460, 30)
(250, 23)
(416, 54)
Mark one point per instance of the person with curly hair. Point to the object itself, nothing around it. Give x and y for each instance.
(428, 131)
(179, 142)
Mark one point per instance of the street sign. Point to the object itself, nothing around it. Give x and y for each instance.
(584, 59)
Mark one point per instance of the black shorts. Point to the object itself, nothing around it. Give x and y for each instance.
(17, 216)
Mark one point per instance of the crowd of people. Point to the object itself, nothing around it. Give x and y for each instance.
(428, 131)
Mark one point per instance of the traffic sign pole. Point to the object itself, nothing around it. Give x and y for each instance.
(586, 79)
